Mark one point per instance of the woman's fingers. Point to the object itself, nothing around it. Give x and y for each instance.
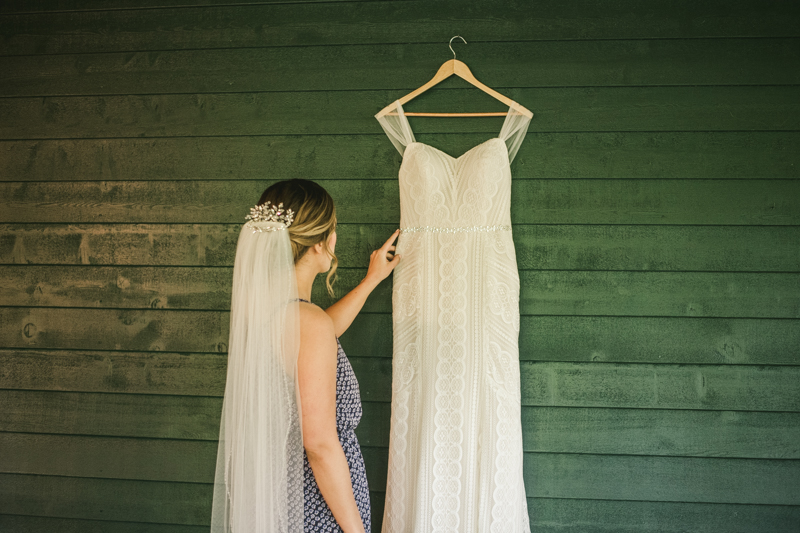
(391, 239)
(383, 260)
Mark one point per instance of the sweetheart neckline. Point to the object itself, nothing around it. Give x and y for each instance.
(462, 155)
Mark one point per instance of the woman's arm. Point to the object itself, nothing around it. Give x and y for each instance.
(381, 265)
(316, 368)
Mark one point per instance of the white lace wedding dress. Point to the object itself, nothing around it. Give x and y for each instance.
(455, 451)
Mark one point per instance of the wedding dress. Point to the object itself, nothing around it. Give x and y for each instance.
(455, 450)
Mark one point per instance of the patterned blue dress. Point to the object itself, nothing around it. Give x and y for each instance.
(318, 517)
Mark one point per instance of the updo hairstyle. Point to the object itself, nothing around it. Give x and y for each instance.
(314, 218)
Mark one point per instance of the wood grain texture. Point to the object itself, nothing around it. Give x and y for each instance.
(549, 515)
(656, 224)
(189, 461)
(158, 245)
(660, 386)
(121, 415)
(377, 22)
(152, 333)
(106, 499)
(660, 339)
(733, 387)
(146, 287)
(640, 386)
(662, 432)
(336, 68)
(183, 374)
(614, 431)
(617, 385)
(644, 432)
(579, 109)
(651, 247)
(538, 247)
(630, 431)
(640, 155)
(43, 524)
(542, 338)
(130, 244)
(678, 479)
(649, 202)
(675, 294)
(568, 293)
(112, 287)
(642, 478)
(43, 6)
(568, 515)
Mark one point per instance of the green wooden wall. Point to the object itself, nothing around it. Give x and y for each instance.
(656, 211)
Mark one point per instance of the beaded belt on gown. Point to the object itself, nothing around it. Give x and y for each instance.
(435, 229)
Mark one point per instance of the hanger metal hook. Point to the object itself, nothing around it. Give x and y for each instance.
(450, 45)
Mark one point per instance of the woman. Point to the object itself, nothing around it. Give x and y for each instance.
(288, 374)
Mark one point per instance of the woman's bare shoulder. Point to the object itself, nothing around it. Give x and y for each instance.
(315, 321)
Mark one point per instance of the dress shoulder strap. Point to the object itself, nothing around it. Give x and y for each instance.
(514, 129)
(396, 126)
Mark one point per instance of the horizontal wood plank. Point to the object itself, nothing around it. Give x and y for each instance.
(673, 248)
(731, 387)
(716, 108)
(568, 515)
(659, 339)
(576, 293)
(643, 386)
(651, 202)
(290, 23)
(153, 333)
(597, 339)
(569, 293)
(106, 499)
(334, 68)
(640, 155)
(108, 457)
(548, 515)
(194, 461)
(693, 433)
(181, 374)
(640, 386)
(638, 478)
(120, 415)
(46, 524)
(126, 287)
(660, 432)
(127, 244)
(677, 479)
(658, 362)
(546, 247)
(44, 6)
(663, 432)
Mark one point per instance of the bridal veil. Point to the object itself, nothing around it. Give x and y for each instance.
(258, 486)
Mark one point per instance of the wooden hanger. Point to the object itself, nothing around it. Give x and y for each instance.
(460, 69)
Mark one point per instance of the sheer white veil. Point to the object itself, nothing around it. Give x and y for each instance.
(258, 486)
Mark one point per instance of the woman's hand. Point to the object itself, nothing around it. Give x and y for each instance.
(381, 263)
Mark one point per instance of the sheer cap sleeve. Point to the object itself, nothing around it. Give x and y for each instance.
(514, 129)
(396, 126)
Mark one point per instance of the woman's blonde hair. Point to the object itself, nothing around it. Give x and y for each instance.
(314, 218)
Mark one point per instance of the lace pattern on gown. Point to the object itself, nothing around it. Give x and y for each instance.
(455, 459)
